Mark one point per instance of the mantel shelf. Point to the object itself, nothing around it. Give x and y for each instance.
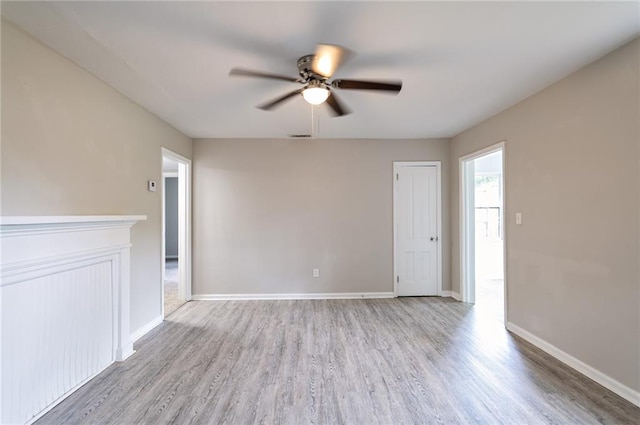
(66, 219)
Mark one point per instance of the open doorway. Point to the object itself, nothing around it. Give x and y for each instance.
(482, 230)
(176, 234)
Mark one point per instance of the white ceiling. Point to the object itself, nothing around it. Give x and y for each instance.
(460, 62)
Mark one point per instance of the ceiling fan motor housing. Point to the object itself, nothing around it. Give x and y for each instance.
(305, 65)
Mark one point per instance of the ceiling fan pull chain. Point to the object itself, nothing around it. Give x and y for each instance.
(313, 127)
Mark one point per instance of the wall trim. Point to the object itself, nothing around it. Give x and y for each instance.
(19, 271)
(14, 226)
(309, 296)
(145, 329)
(451, 294)
(601, 378)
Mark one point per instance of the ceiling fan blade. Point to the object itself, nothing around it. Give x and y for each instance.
(393, 86)
(275, 102)
(239, 72)
(328, 58)
(337, 107)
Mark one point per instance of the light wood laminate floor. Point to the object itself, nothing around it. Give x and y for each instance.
(385, 361)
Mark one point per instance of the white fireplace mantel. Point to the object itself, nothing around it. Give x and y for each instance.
(61, 219)
(65, 300)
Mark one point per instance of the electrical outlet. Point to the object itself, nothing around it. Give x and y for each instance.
(316, 272)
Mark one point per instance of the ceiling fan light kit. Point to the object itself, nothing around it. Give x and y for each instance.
(315, 71)
(316, 93)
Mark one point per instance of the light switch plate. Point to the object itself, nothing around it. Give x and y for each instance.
(518, 218)
(151, 185)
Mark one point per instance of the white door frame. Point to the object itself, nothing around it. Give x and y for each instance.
(396, 169)
(184, 225)
(467, 224)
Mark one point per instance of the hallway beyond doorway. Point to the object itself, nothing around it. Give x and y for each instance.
(489, 234)
(482, 241)
(171, 299)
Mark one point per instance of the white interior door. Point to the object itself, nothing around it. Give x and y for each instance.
(417, 232)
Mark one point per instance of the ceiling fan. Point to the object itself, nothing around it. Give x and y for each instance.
(314, 71)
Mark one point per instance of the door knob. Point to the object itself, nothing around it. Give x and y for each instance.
(434, 239)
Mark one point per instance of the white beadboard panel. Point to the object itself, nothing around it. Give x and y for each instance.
(64, 307)
(71, 391)
(60, 331)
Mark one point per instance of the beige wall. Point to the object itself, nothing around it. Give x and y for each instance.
(267, 212)
(73, 145)
(572, 169)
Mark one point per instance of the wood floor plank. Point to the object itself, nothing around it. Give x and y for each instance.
(386, 361)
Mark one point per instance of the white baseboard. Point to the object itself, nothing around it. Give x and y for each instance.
(309, 296)
(605, 380)
(451, 294)
(145, 329)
